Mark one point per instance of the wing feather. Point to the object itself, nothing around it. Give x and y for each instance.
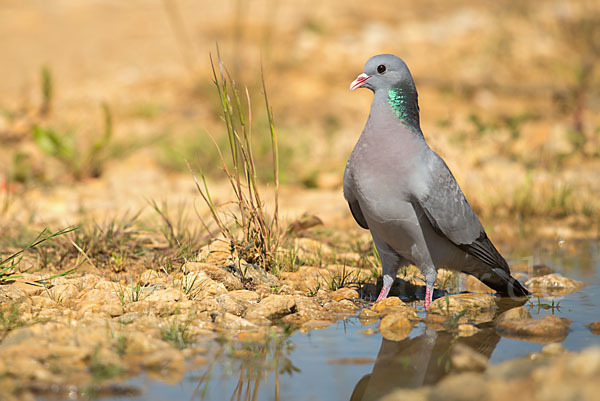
(451, 216)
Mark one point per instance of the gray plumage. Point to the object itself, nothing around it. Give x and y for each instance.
(403, 192)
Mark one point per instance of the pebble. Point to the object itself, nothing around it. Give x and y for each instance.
(517, 313)
(344, 293)
(544, 330)
(477, 307)
(272, 307)
(553, 284)
(467, 330)
(594, 327)
(395, 327)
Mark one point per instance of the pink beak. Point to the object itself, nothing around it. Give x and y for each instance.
(359, 81)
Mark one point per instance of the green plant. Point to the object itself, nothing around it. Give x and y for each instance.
(83, 160)
(341, 279)
(47, 90)
(552, 306)
(178, 233)
(313, 291)
(9, 264)
(449, 282)
(190, 285)
(113, 243)
(452, 318)
(102, 370)
(579, 34)
(133, 294)
(10, 318)
(176, 332)
(64, 147)
(560, 201)
(254, 235)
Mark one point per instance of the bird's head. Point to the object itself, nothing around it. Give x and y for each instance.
(384, 71)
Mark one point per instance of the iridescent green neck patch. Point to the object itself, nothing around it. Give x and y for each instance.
(397, 99)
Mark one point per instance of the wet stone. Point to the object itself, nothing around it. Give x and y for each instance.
(518, 313)
(553, 284)
(309, 308)
(395, 327)
(467, 330)
(343, 307)
(314, 325)
(594, 327)
(379, 306)
(368, 314)
(548, 329)
(344, 293)
(477, 307)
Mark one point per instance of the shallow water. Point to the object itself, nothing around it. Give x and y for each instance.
(343, 363)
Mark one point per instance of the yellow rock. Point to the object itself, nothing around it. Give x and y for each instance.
(217, 253)
(215, 273)
(314, 325)
(149, 277)
(232, 322)
(553, 284)
(386, 303)
(272, 307)
(368, 314)
(245, 295)
(63, 293)
(467, 330)
(344, 293)
(395, 327)
(548, 329)
(477, 307)
(513, 314)
(232, 304)
(251, 336)
(27, 288)
(166, 295)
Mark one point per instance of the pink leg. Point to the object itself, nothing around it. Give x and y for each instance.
(384, 293)
(428, 296)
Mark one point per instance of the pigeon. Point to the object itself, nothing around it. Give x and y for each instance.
(399, 189)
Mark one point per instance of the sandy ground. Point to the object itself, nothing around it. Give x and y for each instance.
(477, 67)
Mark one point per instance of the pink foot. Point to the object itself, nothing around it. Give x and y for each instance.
(383, 294)
(428, 296)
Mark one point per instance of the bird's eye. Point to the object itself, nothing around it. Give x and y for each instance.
(381, 69)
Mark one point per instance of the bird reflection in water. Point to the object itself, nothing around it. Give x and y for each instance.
(418, 361)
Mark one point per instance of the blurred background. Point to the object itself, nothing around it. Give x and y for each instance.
(101, 102)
